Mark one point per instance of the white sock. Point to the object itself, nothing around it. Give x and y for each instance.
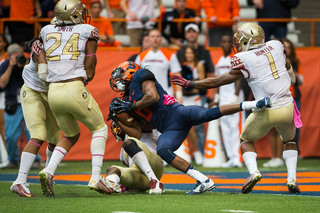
(250, 159)
(26, 162)
(195, 174)
(49, 154)
(57, 156)
(114, 178)
(291, 158)
(97, 161)
(140, 159)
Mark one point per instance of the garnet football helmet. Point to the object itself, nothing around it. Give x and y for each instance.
(122, 76)
(248, 36)
(70, 12)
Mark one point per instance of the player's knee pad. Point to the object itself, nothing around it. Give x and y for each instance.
(167, 155)
(131, 147)
(98, 141)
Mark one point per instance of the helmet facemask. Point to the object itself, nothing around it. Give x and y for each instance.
(117, 80)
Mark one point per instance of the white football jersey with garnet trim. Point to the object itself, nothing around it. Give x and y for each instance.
(265, 70)
(65, 50)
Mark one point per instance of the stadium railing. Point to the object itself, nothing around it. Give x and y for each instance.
(312, 22)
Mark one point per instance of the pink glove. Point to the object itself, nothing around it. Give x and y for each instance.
(169, 100)
(177, 80)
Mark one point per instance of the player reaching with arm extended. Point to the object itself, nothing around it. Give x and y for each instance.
(268, 74)
(70, 48)
(145, 166)
(151, 103)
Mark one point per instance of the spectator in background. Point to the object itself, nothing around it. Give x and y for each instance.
(161, 62)
(144, 45)
(218, 12)
(139, 12)
(175, 37)
(11, 80)
(229, 94)
(115, 11)
(103, 25)
(192, 69)
(191, 35)
(3, 55)
(274, 9)
(27, 9)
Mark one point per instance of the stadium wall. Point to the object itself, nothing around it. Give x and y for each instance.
(310, 106)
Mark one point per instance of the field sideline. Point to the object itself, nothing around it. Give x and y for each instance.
(269, 195)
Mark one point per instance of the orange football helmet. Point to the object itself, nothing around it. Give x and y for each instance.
(122, 76)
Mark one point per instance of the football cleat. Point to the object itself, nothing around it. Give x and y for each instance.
(21, 189)
(251, 182)
(293, 186)
(202, 187)
(102, 185)
(46, 181)
(156, 187)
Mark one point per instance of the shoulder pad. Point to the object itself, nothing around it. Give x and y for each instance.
(145, 74)
(236, 63)
(94, 34)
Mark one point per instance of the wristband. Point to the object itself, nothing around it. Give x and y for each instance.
(90, 54)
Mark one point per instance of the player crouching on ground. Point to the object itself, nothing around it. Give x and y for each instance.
(145, 166)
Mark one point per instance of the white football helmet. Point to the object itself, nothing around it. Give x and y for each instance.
(248, 36)
(70, 12)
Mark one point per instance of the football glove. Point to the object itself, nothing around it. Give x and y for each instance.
(263, 103)
(177, 80)
(117, 105)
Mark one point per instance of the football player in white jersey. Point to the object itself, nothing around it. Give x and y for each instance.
(41, 123)
(70, 48)
(144, 166)
(268, 74)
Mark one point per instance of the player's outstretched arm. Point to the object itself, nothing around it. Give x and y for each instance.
(207, 83)
(246, 105)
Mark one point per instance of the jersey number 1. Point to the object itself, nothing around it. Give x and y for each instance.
(272, 66)
(71, 47)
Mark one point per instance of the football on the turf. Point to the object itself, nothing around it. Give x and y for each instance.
(126, 118)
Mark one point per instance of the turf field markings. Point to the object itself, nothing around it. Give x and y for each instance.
(242, 211)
